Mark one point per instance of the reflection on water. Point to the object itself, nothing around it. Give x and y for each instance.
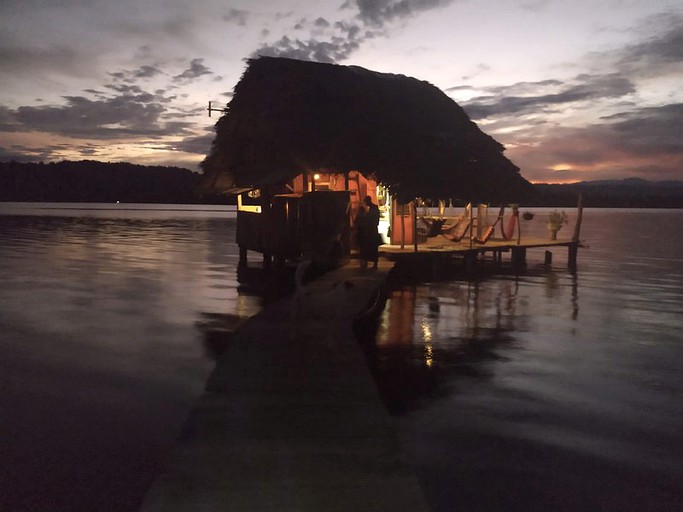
(110, 323)
(546, 390)
(426, 334)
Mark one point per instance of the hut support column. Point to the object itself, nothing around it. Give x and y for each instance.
(243, 257)
(518, 257)
(579, 218)
(572, 255)
(403, 226)
(414, 216)
(573, 250)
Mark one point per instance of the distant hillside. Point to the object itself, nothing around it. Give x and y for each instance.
(627, 193)
(99, 182)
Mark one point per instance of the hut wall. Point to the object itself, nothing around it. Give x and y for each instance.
(285, 241)
(357, 185)
(291, 225)
(324, 223)
(250, 231)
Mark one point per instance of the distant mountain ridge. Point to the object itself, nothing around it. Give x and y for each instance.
(102, 182)
(627, 182)
(624, 193)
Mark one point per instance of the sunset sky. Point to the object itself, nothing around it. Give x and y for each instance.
(576, 90)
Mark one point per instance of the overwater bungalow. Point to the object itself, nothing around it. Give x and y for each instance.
(302, 143)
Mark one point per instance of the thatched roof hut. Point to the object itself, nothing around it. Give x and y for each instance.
(289, 116)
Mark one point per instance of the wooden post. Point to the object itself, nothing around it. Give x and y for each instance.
(572, 255)
(579, 218)
(414, 225)
(403, 226)
(573, 250)
(518, 257)
(471, 229)
(243, 257)
(470, 261)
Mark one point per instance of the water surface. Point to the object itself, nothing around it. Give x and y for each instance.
(543, 390)
(111, 318)
(547, 389)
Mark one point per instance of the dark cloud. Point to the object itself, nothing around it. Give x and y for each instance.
(321, 23)
(459, 88)
(378, 12)
(351, 30)
(335, 50)
(651, 130)
(197, 144)
(21, 153)
(146, 72)
(336, 41)
(132, 76)
(129, 112)
(83, 117)
(238, 16)
(663, 48)
(589, 87)
(642, 142)
(196, 70)
(659, 53)
(8, 122)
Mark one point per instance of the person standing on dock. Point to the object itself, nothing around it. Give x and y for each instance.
(368, 236)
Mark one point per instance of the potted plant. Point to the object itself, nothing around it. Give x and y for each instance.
(555, 222)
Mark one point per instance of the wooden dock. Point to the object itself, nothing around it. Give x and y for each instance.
(469, 253)
(292, 421)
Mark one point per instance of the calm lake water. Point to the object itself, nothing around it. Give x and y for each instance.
(110, 320)
(548, 390)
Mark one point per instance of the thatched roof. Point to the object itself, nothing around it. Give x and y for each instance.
(287, 116)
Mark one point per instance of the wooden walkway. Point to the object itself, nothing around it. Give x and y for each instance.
(291, 420)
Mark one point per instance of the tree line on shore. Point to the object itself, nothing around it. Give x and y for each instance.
(102, 182)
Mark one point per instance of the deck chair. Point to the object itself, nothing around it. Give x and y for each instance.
(486, 235)
(458, 232)
(433, 226)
